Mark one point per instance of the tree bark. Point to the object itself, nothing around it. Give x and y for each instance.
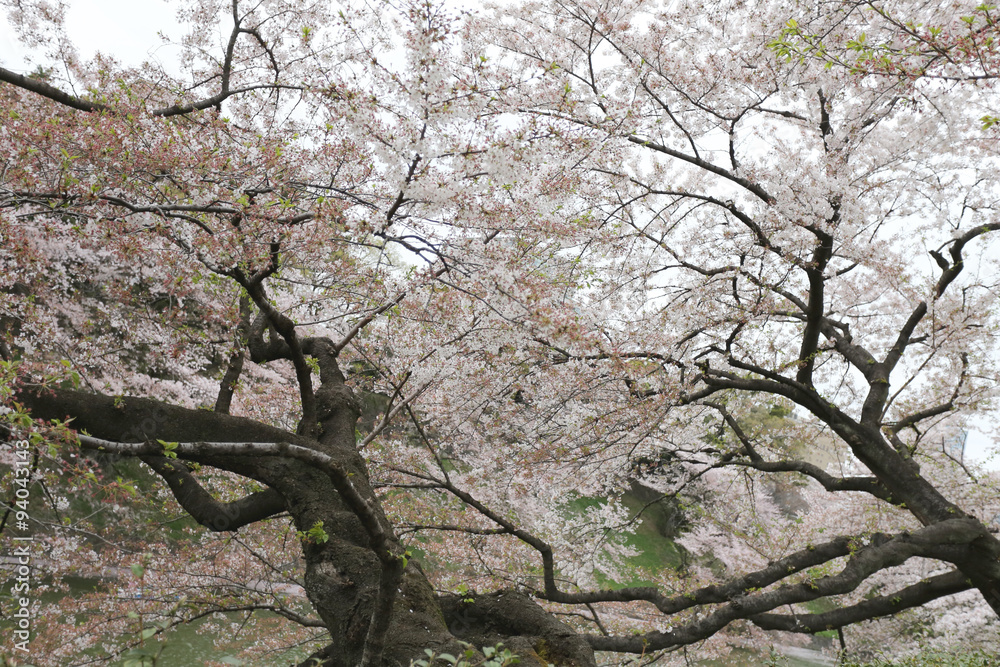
(342, 574)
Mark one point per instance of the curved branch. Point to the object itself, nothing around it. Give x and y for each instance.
(273, 348)
(217, 99)
(254, 285)
(130, 426)
(39, 87)
(718, 593)
(206, 510)
(951, 539)
(884, 605)
(377, 529)
(49, 91)
(750, 186)
(869, 485)
(801, 560)
(383, 544)
(957, 262)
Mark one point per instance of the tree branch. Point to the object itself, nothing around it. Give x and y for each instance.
(383, 544)
(254, 285)
(957, 262)
(951, 539)
(49, 91)
(750, 186)
(869, 485)
(884, 605)
(206, 510)
(814, 311)
(39, 87)
(274, 608)
(227, 387)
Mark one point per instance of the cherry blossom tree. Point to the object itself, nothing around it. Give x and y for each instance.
(900, 41)
(763, 199)
(397, 302)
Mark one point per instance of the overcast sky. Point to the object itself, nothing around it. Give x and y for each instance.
(125, 28)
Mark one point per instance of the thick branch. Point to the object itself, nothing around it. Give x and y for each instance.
(878, 378)
(227, 388)
(205, 509)
(131, 426)
(825, 128)
(383, 542)
(814, 311)
(809, 557)
(377, 530)
(714, 594)
(884, 605)
(39, 87)
(49, 91)
(869, 485)
(950, 538)
(262, 351)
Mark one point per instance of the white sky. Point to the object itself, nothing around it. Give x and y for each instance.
(978, 446)
(128, 29)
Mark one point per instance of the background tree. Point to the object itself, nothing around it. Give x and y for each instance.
(562, 249)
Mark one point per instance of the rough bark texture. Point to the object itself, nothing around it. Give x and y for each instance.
(342, 574)
(517, 621)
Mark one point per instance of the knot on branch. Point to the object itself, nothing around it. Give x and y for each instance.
(266, 348)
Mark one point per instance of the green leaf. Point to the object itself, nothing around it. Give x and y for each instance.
(169, 449)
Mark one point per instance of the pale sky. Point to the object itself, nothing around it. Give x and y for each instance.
(126, 29)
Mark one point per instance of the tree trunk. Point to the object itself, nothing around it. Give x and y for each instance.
(342, 574)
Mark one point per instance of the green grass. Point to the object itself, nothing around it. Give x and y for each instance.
(655, 552)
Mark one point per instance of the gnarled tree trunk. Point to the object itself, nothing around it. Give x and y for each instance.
(342, 574)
